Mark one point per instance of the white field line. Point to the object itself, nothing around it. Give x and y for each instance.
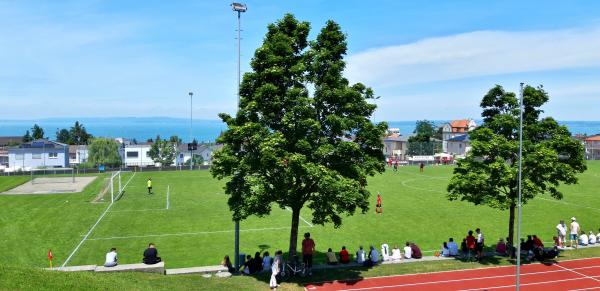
(136, 210)
(92, 228)
(191, 233)
(525, 284)
(302, 218)
(168, 190)
(567, 203)
(580, 274)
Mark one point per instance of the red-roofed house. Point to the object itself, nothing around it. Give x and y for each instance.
(456, 128)
(592, 147)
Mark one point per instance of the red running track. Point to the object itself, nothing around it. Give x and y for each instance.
(583, 274)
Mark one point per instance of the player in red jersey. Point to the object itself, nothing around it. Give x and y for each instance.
(378, 207)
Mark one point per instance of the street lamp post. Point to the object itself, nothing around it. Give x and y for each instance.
(518, 277)
(239, 8)
(191, 152)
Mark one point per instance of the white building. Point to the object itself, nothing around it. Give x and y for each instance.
(39, 153)
(78, 154)
(137, 155)
(459, 145)
(456, 128)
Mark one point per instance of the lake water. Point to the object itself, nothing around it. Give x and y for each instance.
(203, 130)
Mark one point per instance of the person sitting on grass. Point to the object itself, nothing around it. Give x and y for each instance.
(267, 262)
(453, 247)
(407, 251)
(373, 258)
(344, 256)
(360, 255)
(331, 258)
(226, 262)
(529, 245)
(111, 258)
(592, 238)
(249, 265)
(598, 236)
(583, 239)
(396, 255)
(501, 248)
(257, 261)
(537, 242)
(445, 250)
(463, 247)
(416, 251)
(151, 255)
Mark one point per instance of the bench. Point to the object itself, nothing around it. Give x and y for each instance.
(85, 268)
(156, 268)
(197, 270)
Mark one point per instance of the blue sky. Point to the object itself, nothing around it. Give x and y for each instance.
(426, 59)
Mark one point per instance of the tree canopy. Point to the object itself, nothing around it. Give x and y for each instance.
(27, 137)
(290, 148)
(37, 132)
(162, 152)
(489, 173)
(104, 151)
(420, 143)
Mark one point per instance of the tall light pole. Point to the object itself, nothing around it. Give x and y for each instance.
(239, 8)
(518, 277)
(191, 152)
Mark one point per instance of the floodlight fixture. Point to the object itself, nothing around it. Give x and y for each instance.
(239, 7)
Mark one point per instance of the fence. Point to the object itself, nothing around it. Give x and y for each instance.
(59, 171)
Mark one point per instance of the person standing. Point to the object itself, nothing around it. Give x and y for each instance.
(308, 249)
(561, 230)
(421, 167)
(149, 183)
(574, 232)
(479, 244)
(378, 208)
(275, 269)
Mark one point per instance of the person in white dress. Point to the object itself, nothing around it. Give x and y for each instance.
(275, 269)
(592, 238)
(396, 255)
(561, 230)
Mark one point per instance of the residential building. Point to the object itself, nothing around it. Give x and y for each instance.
(592, 147)
(395, 145)
(454, 129)
(137, 155)
(78, 154)
(459, 145)
(39, 153)
(5, 143)
(204, 150)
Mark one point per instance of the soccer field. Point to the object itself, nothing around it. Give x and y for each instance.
(196, 228)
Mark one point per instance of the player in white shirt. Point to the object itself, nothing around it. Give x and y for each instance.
(574, 232)
(396, 255)
(360, 255)
(561, 230)
(592, 238)
(583, 239)
(111, 258)
(407, 251)
(453, 247)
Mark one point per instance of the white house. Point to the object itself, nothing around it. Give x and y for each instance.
(456, 128)
(39, 153)
(204, 150)
(459, 145)
(78, 154)
(137, 155)
(395, 145)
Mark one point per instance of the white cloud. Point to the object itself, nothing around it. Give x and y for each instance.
(473, 54)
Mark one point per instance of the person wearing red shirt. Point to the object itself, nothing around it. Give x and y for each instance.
(471, 243)
(537, 242)
(344, 256)
(378, 208)
(308, 249)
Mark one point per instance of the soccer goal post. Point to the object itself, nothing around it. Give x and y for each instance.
(115, 182)
(52, 175)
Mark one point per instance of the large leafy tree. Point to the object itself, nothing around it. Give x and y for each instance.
(489, 173)
(162, 152)
(63, 136)
(27, 137)
(290, 148)
(79, 134)
(420, 143)
(104, 151)
(37, 132)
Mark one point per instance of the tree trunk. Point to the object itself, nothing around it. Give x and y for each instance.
(294, 233)
(511, 227)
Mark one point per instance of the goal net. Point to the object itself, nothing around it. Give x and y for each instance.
(116, 188)
(52, 175)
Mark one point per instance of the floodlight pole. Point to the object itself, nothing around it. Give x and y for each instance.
(191, 149)
(518, 277)
(239, 8)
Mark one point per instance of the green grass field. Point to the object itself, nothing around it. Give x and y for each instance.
(197, 228)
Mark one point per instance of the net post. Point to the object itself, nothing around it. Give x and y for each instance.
(120, 187)
(73, 174)
(112, 190)
(31, 173)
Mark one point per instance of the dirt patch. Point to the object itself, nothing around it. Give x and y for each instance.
(51, 186)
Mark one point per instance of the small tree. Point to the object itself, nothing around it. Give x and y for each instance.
(79, 134)
(175, 139)
(37, 132)
(162, 152)
(63, 136)
(420, 143)
(291, 149)
(104, 151)
(27, 137)
(489, 173)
